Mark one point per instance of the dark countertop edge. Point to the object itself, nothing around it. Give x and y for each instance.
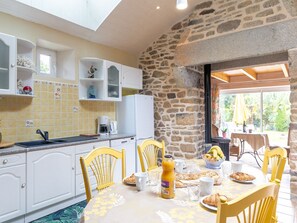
(18, 149)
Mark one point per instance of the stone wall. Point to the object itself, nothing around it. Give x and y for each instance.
(178, 95)
(214, 18)
(178, 91)
(293, 124)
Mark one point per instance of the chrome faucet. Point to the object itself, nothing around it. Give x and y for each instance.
(44, 134)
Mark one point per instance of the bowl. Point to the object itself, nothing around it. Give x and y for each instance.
(213, 164)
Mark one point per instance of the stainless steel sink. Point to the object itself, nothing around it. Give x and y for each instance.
(37, 143)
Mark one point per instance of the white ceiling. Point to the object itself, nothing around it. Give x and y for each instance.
(131, 26)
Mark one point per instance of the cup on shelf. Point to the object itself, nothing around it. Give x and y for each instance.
(141, 179)
(206, 185)
(236, 166)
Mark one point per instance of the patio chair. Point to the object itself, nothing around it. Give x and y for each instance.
(102, 162)
(148, 153)
(287, 147)
(276, 159)
(259, 205)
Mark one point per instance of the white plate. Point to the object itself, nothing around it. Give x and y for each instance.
(213, 208)
(127, 183)
(243, 181)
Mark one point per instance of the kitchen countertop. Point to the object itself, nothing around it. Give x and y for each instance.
(18, 149)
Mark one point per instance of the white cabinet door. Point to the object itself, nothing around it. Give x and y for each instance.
(129, 145)
(12, 192)
(7, 64)
(50, 177)
(131, 77)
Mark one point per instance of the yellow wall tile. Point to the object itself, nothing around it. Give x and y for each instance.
(47, 113)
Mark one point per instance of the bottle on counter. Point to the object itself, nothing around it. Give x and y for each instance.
(168, 178)
(244, 127)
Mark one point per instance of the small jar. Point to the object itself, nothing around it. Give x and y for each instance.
(168, 178)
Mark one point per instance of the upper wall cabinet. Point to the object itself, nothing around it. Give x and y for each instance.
(131, 77)
(16, 66)
(8, 55)
(25, 67)
(100, 80)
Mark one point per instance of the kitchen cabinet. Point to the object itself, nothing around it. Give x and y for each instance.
(129, 145)
(50, 177)
(99, 80)
(12, 186)
(131, 77)
(16, 66)
(25, 67)
(8, 56)
(83, 150)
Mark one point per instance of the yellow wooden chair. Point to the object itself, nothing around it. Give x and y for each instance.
(257, 206)
(102, 162)
(276, 159)
(148, 151)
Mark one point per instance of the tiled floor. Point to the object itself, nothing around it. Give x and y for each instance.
(287, 201)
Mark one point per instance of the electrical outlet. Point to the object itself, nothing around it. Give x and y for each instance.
(29, 123)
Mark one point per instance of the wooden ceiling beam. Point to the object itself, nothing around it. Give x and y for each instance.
(250, 73)
(285, 70)
(221, 76)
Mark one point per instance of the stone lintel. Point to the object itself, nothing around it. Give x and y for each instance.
(266, 40)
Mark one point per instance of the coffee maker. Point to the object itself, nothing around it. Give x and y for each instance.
(103, 125)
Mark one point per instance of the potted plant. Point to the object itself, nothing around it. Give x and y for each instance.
(224, 132)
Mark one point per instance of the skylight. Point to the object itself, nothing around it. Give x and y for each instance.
(86, 13)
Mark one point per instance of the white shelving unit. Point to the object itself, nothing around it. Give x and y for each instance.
(106, 83)
(25, 66)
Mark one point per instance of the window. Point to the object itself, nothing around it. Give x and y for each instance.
(46, 61)
(266, 110)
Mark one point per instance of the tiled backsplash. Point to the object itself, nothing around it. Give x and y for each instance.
(62, 117)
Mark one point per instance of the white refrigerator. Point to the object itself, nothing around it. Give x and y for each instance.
(135, 115)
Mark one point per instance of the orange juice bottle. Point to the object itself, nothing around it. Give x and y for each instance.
(168, 178)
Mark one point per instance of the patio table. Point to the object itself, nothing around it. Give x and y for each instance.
(122, 203)
(255, 140)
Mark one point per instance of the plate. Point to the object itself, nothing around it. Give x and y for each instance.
(243, 181)
(213, 208)
(128, 183)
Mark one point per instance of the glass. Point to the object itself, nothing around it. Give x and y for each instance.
(113, 82)
(193, 192)
(154, 178)
(226, 170)
(4, 65)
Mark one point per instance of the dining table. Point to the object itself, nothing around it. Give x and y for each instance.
(255, 140)
(124, 203)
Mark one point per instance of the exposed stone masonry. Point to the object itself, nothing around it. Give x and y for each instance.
(293, 124)
(179, 91)
(178, 95)
(213, 18)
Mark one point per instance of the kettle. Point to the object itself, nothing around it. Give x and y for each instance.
(113, 127)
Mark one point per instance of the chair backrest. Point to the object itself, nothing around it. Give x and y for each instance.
(102, 162)
(148, 153)
(253, 207)
(276, 159)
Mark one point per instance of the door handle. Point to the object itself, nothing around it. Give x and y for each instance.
(5, 161)
(23, 185)
(124, 141)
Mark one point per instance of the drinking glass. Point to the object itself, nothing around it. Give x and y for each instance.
(154, 178)
(226, 169)
(193, 192)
